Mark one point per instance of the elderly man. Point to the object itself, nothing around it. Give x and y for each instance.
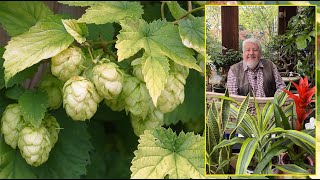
(253, 75)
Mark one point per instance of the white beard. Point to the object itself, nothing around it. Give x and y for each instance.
(251, 64)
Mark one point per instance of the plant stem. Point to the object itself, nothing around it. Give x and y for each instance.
(189, 5)
(89, 49)
(162, 9)
(111, 53)
(189, 12)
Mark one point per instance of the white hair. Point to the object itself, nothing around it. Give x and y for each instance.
(251, 40)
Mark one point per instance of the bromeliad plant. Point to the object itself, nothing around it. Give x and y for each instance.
(302, 101)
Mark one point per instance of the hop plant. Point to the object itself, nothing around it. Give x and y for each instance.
(67, 63)
(34, 144)
(52, 126)
(12, 123)
(53, 87)
(137, 69)
(116, 104)
(137, 98)
(80, 98)
(107, 79)
(153, 120)
(173, 93)
(177, 68)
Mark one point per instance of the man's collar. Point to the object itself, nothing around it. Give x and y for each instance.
(245, 67)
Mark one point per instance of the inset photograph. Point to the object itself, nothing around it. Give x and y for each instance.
(260, 90)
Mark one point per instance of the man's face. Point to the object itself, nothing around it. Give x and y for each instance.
(251, 55)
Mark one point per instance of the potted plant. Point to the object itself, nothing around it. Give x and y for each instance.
(303, 109)
(221, 63)
(220, 160)
(293, 51)
(262, 139)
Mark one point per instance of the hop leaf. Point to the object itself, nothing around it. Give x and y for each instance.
(12, 123)
(53, 87)
(34, 144)
(107, 78)
(67, 63)
(161, 153)
(80, 98)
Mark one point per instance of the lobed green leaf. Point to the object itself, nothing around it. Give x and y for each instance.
(33, 106)
(192, 33)
(161, 153)
(44, 40)
(111, 11)
(159, 38)
(17, 17)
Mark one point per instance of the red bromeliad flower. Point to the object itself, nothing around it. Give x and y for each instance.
(302, 100)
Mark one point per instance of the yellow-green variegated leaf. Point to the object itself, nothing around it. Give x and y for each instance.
(158, 38)
(192, 33)
(242, 111)
(77, 30)
(161, 153)
(291, 169)
(44, 40)
(230, 142)
(247, 150)
(299, 135)
(155, 70)
(111, 11)
(275, 151)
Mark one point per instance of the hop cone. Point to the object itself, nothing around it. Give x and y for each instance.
(52, 126)
(12, 123)
(80, 98)
(153, 120)
(107, 78)
(137, 69)
(53, 87)
(67, 63)
(173, 93)
(177, 68)
(137, 98)
(34, 144)
(116, 104)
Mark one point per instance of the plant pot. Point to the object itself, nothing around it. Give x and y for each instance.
(285, 159)
(219, 89)
(295, 77)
